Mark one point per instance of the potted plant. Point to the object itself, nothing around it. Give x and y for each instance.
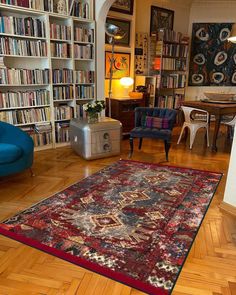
(93, 109)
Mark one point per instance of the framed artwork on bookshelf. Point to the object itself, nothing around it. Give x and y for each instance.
(123, 6)
(125, 26)
(161, 18)
(121, 66)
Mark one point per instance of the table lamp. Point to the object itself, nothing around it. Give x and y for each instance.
(126, 82)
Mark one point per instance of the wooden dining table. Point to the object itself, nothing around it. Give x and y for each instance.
(218, 110)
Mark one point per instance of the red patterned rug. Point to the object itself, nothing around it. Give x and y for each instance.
(133, 222)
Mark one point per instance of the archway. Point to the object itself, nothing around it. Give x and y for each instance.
(101, 8)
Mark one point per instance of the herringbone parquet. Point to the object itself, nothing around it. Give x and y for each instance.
(210, 268)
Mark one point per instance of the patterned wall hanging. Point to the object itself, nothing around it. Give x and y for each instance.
(141, 53)
(213, 58)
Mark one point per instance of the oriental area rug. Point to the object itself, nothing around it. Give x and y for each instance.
(133, 222)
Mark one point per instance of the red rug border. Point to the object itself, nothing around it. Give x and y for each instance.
(100, 270)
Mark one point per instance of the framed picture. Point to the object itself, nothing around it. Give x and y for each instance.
(125, 26)
(123, 6)
(121, 66)
(161, 18)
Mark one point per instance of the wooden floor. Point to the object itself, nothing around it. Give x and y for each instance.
(209, 269)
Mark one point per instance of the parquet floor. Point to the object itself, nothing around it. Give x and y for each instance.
(210, 268)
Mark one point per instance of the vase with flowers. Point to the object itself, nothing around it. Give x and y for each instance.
(93, 109)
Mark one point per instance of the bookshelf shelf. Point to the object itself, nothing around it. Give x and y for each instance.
(22, 36)
(58, 69)
(24, 107)
(83, 42)
(168, 56)
(23, 56)
(32, 123)
(60, 40)
(24, 85)
(62, 100)
(61, 58)
(84, 59)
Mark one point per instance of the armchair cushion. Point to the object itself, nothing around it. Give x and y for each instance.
(9, 153)
(157, 122)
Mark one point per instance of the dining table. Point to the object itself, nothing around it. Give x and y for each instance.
(216, 108)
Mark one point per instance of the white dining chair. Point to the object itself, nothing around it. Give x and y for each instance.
(194, 120)
(231, 124)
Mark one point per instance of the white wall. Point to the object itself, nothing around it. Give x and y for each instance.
(230, 190)
(181, 16)
(210, 11)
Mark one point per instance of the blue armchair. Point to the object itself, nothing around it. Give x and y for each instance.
(153, 123)
(16, 150)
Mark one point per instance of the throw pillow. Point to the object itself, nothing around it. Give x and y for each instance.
(156, 122)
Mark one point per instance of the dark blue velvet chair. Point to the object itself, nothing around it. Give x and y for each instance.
(16, 150)
(141, 131)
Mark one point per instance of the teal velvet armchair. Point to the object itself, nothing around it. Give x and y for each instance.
(16, 150)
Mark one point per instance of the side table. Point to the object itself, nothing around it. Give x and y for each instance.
(98, 140)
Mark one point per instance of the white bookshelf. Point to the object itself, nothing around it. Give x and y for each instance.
(64, 95)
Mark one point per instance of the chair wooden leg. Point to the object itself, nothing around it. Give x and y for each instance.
(167, 147)
(131, 143)
(32, 172)
(140, 143)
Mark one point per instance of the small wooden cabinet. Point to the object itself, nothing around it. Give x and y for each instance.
(122, 109)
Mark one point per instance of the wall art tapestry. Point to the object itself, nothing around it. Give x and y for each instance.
(213, 57)
(141, 53)
(121, 66)
(161, 18)
(123, 6)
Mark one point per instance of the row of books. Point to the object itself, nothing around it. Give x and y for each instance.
(40, 133)
(175, 50)
(84, 91)
(170, 36)
(60, 32)
(84, 76)
(64, 112)
(83, 51)
(63, 92)
(24, 98)
(24, 26)
(60, 50)
(62, 132)
(45, 5)
(80, 9)
(13, 46)
(26, 116)
(170, 101)
(83, 34)
(23, 76)
(173, 81)
(62, 76)
(173, 64)
(22, 3)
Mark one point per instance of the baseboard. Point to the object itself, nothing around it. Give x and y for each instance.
(228, 208)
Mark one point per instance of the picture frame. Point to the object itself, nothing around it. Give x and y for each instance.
(121, 68)
(161, 18)
(123, 6)
(125, 26)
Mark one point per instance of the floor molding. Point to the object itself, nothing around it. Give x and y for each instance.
(228, 208)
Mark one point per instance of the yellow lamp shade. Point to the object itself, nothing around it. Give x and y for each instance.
(126, 81)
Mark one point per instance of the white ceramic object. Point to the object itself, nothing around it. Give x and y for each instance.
(219, 96)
